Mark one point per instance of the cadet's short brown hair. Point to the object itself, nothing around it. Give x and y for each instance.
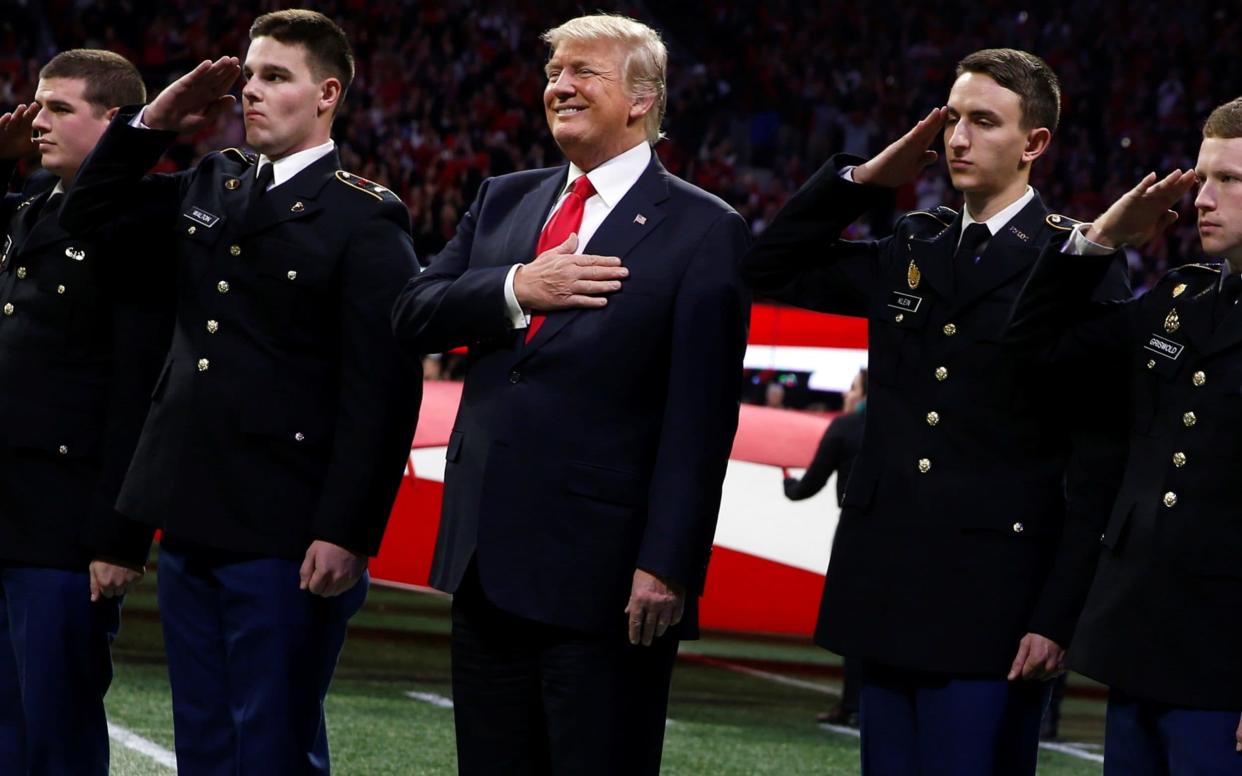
(111, 80)
(1026, 75)
(327, 48)
(1225, 122)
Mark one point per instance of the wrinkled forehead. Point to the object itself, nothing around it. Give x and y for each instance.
(575, 52)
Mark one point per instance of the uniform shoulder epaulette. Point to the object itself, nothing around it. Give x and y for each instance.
(1200, 267)
(245, 157)
(944, 215)
(364, 185)
(1058, 221)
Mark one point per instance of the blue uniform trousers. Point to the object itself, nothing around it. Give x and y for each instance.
(250, 657)
(922, 724)
(1142, 738)
(55, 666)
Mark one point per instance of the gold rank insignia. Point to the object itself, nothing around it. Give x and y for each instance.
(913, 276)
(231, 184)
(1171, 321)
(1178, 289)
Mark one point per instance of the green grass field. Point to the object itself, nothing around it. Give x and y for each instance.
(725, 722)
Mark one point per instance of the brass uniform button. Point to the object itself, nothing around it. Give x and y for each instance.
(299, 437)
(1198, 378)
(192, 229)
(223, 286)
(933, 418)
(231, 184)
(1151, 364)
(1179, 460)
(1018, 528)
(9, 308)
(213, 327)
(21, 273)
(60, 289)
(942, 374)
(924, 465)
(203, 365)
(1170, 499)
(1189, 419)
(63, 449)
(235, 250)
(950, 330)
(899, 317)
(293, 275)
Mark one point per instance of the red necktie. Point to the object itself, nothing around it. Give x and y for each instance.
(563, 223)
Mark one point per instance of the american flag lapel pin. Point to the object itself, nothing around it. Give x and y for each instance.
(640, 219)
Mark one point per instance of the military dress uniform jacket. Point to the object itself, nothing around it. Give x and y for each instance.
(1163, 621)
(80, 347)
(601, 445)
(954, 539)
(284, 412)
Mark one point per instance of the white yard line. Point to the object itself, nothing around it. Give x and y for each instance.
(439, 701)
(1070, 749)
(143, 746)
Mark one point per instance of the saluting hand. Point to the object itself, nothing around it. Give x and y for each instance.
(109, 580)
(330, 569)
(15, 126)
(196, 98)
(654, 607)
(1038, 658)
(559, 279)
(905, 159)
(1142, 212)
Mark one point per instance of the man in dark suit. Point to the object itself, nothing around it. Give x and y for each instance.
(80, 348)
(1161, 624)
(958, 571)
(585, 466)
(281, 423)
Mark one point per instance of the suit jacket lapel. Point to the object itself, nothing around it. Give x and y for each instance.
(1010, 252)
(1227, 334)
(934, 258)
(633, 218)
(295, 198)
(35, 230)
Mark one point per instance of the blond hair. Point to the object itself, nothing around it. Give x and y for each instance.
(645, 67)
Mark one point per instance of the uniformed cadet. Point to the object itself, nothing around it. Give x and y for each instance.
(1162, 626)
(281, 424)
(958, 570)
(80, 347)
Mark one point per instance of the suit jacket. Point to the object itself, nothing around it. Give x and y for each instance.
(955, 539)
(1161, 621)
(601, 445)
(80, 348)
(285, 411)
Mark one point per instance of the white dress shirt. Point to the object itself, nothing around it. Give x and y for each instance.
(612, 180)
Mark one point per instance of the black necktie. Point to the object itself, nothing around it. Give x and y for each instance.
(974, 243)
(261, 182)
(52, 206)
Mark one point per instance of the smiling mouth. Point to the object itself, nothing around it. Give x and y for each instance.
(569, 111)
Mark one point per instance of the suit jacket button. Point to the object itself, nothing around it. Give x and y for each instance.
(515, 377)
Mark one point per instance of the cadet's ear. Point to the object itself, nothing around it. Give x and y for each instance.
(110, 113)
(329, 96)
(1037, 141)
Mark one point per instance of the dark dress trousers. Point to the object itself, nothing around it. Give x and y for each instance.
(955, 539)
(283, 415)
(597, 448)
(81, 344)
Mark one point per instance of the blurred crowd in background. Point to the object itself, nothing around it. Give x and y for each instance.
(449, 92)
